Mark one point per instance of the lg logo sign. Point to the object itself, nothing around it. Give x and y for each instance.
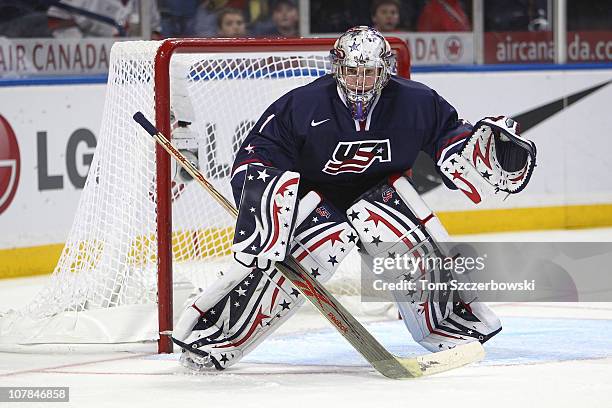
(10, 164)
(78, 157)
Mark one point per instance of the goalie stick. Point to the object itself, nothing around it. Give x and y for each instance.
(382, 360)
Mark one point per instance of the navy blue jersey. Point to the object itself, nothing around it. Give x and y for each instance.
(310, 130)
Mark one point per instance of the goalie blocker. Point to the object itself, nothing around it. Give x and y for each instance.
(266, 212)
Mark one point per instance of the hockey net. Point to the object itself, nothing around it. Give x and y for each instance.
(117, 273)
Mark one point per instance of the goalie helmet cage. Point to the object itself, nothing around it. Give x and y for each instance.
(134, 217)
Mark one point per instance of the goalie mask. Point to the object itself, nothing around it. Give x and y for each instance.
(361, 64)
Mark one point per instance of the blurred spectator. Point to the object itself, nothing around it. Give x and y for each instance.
(97, 18)
(338, 15)
(443, 15)
(230, 23)
(516, 15)
(178, 17)
(589, 15)
(23, 19)
(283, 23)
(206, 19)
(386, 15)
(409, 14)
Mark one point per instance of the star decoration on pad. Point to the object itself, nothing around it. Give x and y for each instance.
(250, 149)
(262, 175)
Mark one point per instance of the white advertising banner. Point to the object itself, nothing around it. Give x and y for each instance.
(48, 56)
(55, 129)
(48, 136)
(563, 112)
(439, 48)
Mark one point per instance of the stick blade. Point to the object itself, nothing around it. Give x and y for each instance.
(442, 361)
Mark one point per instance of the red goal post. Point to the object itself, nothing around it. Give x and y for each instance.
(163, 122)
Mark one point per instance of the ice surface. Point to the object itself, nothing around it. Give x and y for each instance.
(548, 355)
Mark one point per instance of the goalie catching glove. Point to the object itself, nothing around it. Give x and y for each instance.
(494, 158)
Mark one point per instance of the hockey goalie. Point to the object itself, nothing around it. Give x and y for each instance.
(323, 170)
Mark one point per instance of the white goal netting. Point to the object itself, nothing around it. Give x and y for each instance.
(104, 288)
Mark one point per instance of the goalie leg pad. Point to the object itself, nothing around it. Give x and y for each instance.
(219, 333)
(232, 317)
(392, 220)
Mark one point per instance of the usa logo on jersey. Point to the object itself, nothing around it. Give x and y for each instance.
(323, 212)
(357, 157)
(387, 194)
